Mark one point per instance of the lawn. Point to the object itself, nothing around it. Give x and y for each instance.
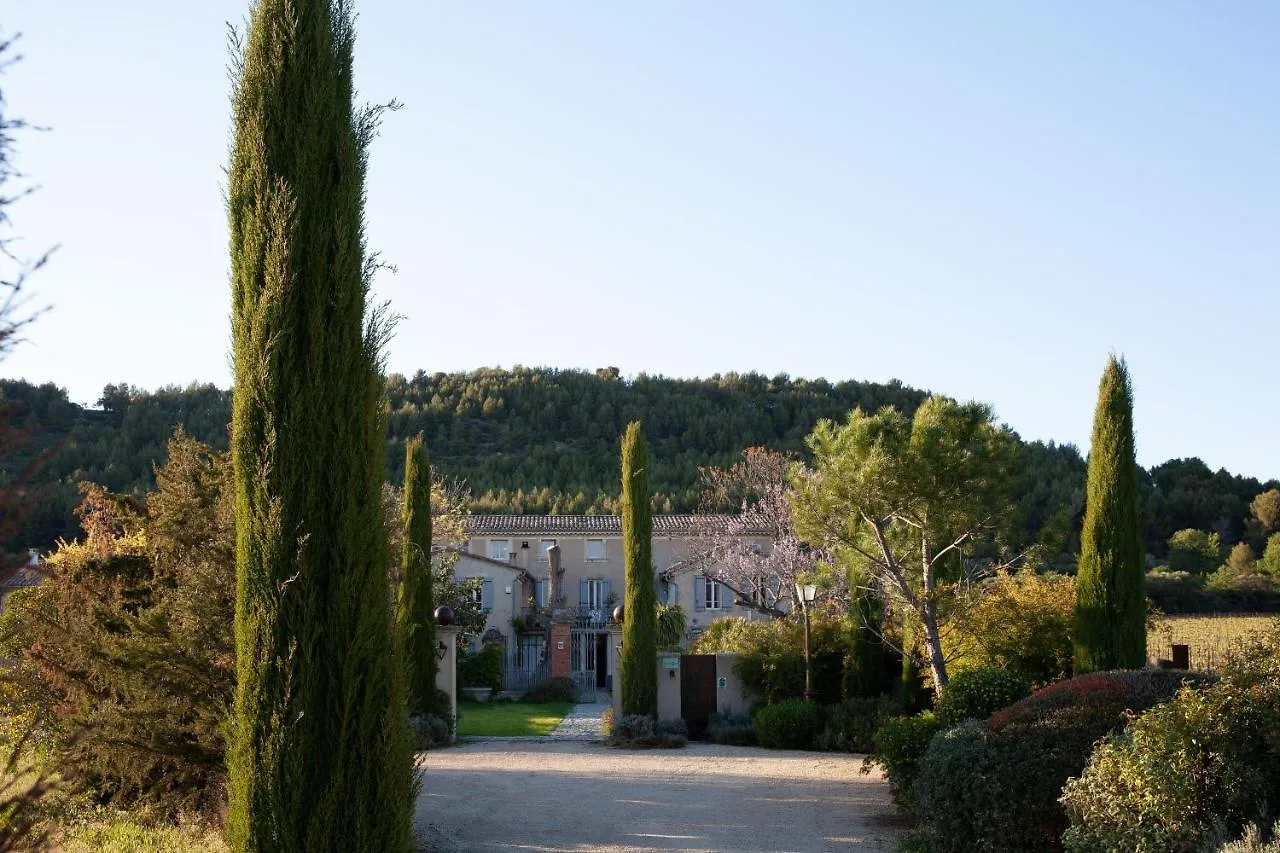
(1209, 637)
(510, 719)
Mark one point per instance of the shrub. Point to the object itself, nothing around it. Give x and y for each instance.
(996, 787)
(790, 724)
(1186, 771)
(1021, 624)
(851, 725)
(606, 720)
(900, 743)
(977, 693)
(772, 655)
(1253, 842)
(559, 689)
(482, 668)
(731, 729)
(640, 731)
(430, 731)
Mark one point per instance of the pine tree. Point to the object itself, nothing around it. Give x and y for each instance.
(1111, 604)
(639, 626)
(415, 606)
(319, 756)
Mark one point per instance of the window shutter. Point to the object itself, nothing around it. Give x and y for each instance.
(582, 594)
(604, 591)
(540, 592)
(726, 597)
(699, 593)
(673, 592)
(486, 595)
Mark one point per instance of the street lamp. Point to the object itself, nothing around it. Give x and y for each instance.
(805, 594)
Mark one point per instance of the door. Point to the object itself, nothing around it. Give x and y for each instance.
(697, 692)
(602, 661)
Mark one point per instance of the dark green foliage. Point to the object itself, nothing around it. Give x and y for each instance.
(977, 693)
(416, 604)
(994, 786)
(900, 744)
(639, 663)
(482, 668)
(789, 724)
(1195, 551)
(1180, 592)
(122, 660)
(731, 729)
(1189, 771)
(865, 672)
(431, 731)
(771, 655)
(560, 689)
(1111, 606)
(319, 754)
(851, 726)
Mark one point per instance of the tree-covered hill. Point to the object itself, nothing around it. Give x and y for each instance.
(539, 440)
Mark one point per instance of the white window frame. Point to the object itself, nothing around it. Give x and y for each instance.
(595, 594)
(477, 591)
(604, 551)
(713, 597)
(492, 550)
(544, 545)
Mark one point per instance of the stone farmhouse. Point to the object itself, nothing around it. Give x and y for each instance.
(550, 583)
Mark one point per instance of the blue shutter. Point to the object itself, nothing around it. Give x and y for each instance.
(582, 593)
(604, 591)
(726, 597)
(486, 594)
(540, 592)
(699, 593)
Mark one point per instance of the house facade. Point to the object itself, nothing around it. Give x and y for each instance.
(567, 571)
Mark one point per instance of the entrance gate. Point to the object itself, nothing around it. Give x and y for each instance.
(589, 661)
(697, 692)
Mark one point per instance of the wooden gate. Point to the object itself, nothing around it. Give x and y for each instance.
(697, 692)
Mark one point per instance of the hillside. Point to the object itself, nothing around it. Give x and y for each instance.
(537, 440)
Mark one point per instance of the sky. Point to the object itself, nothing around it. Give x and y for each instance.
(981, 199)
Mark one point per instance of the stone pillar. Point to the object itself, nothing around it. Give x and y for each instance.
(669, 698)
(615, 667)
(447, 674)
(558, 664)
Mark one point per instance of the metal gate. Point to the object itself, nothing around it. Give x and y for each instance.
(526, 663)
(587, 664)
(697, 692)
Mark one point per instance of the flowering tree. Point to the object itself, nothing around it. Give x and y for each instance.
(747, 537)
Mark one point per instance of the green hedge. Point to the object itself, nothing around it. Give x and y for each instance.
(482, 668)
(790, 724)
(977, 693)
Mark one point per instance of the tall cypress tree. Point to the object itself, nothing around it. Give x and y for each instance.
(639, 661)
(1111, 604)
(415, 606)
(319, 756)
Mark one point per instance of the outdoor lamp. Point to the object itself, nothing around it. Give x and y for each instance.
(441, 649)
(806, 594)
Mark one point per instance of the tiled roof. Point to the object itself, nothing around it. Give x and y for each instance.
(604, 525)
(25, 576)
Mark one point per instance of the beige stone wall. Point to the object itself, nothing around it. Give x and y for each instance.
(668, 689)
(734, 697)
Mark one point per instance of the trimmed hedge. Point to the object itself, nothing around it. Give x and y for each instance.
(976, 693)
(900, 743)
(790, 724)
(559, 689)
(731, 729)
(994, 785)
(851, 726)
(482, 668)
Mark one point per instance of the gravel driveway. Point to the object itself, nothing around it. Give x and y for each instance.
(552, 796)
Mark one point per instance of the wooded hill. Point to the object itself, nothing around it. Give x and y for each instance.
(539, 440)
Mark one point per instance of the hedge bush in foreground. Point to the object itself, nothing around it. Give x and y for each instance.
(994, 785)
(790, 724)
(975, 694)
(1186, 772)
(731, 729)
(851, 726)
(900, 743)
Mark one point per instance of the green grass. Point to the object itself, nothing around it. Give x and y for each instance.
(124, 835)
(510, 719)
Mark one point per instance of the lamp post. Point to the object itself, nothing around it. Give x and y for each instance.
(805, 594)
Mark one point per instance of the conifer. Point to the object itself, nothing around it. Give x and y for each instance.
(1111, 604)
(415, 606)
(319, 756)
(639, 661)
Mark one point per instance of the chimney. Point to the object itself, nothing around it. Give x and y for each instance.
(33, 557)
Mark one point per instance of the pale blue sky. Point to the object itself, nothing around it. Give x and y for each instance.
(982, 199)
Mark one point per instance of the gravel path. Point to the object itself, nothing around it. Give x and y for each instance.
(574, 796)
(581, 723)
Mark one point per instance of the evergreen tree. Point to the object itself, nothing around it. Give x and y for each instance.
(415, 607)
(639, 626)
(1111, 605)
(319, 756)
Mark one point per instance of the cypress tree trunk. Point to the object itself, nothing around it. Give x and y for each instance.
(1111, 604)
(639, 661)
(415, 607)
(319, 757)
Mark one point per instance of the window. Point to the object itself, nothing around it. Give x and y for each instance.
(500, 550)
(713, 595)
(595, 595)
(543, 547)
(475, 590)
(595, 550)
